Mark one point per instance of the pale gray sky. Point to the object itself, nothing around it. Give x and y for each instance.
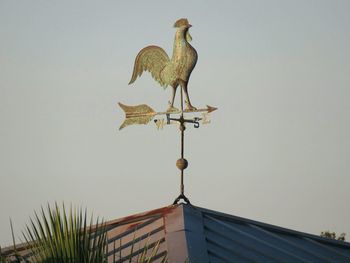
(277, 150)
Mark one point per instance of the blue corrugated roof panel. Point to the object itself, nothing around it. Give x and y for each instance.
(234, 239)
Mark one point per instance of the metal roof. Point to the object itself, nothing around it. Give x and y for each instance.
(235, 239)
(195, 234)
(202, 235)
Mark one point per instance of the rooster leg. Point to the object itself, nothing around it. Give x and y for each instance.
(189, 106)
(171, 103)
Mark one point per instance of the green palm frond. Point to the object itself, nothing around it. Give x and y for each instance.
(55, 236)
(58, 235)
(143, 258)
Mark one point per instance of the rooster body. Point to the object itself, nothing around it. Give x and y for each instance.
(170, 72)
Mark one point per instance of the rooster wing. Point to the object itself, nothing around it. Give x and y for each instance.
(153, 59)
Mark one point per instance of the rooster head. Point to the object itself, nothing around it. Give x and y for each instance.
(183, 24)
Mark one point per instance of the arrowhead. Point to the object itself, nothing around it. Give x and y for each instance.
(211, 109)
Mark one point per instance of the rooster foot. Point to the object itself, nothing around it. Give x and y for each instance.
(189, 107)
(172, 109)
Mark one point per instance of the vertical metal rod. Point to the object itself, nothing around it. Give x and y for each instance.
(182, 157)
(182, 129)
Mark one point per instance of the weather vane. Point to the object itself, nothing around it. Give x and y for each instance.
(172, 72)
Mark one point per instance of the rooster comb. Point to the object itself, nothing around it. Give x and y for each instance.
(181, 22)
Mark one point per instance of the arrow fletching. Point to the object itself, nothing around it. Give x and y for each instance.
(139, 114)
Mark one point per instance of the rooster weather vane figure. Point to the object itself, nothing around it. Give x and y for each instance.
(172, 72)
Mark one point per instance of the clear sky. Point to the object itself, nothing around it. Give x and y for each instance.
(277, 150)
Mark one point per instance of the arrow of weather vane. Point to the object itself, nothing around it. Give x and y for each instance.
(172, 72)
(143, 114)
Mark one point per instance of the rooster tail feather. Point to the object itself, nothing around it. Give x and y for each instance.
(152, 59)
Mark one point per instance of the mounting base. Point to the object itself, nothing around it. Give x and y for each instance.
(181, 197)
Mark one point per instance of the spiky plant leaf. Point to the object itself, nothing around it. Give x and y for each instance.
(60, 237)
